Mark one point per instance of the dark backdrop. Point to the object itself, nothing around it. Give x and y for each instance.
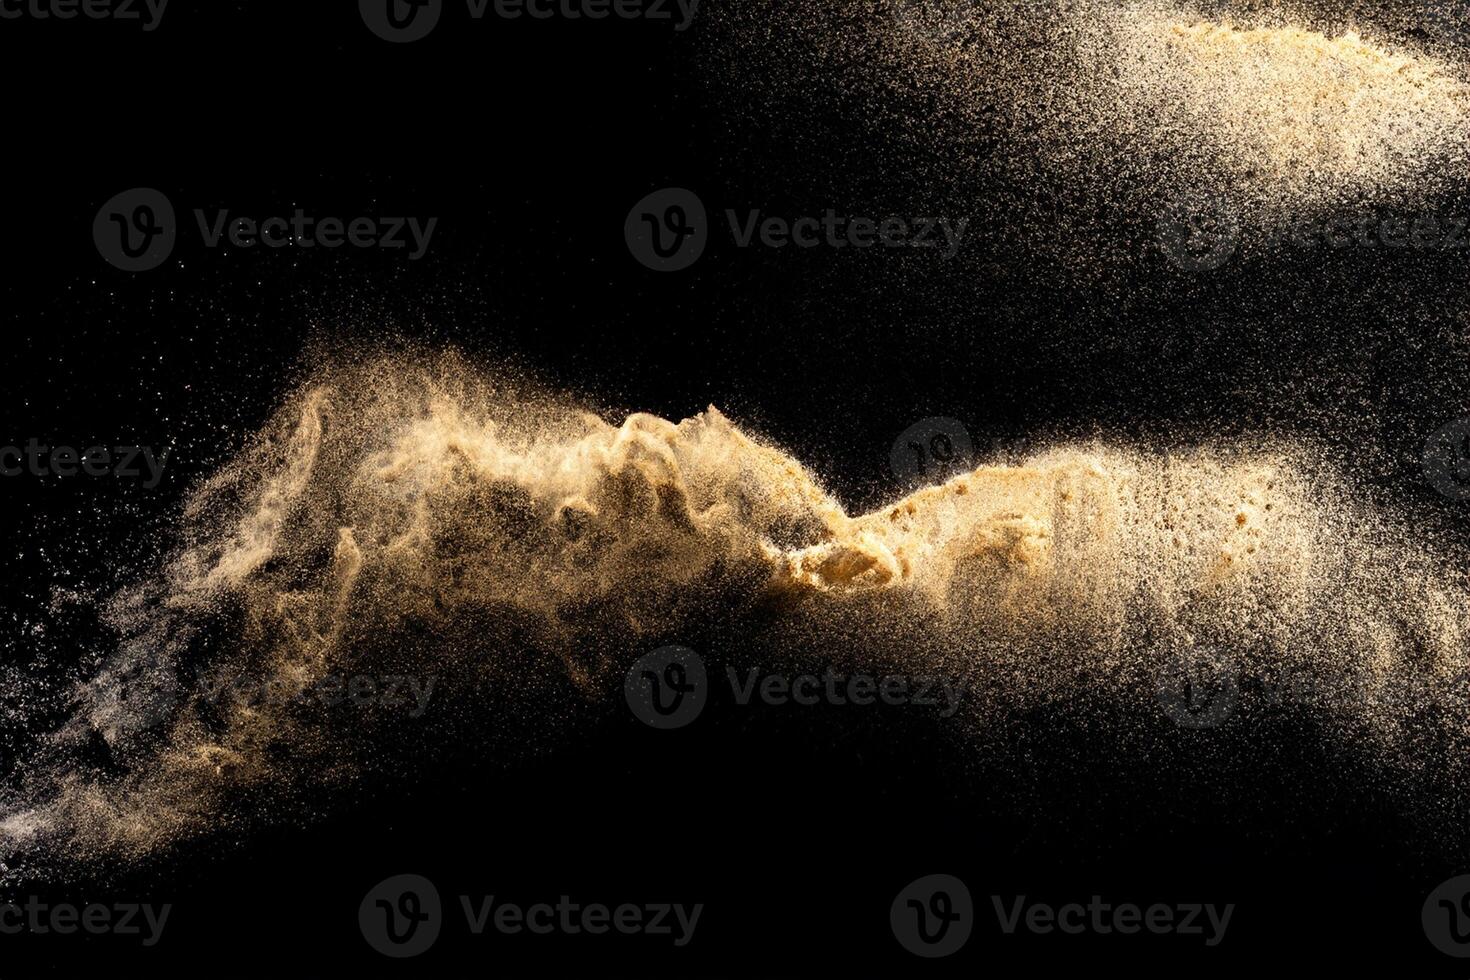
(530, 142)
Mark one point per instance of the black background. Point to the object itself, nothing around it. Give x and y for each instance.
(530, 141)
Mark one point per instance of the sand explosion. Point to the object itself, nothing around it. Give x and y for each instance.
(1287, 110)
(421, 511)
(1279, 113)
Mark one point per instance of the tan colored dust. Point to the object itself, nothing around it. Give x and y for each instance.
(1274, 112)
(1289, 109)
(425, 512)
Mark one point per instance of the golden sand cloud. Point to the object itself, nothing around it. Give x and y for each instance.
(422, 511)
(1278, 113)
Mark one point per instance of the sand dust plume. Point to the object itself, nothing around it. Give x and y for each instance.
(422, 513)
(1275, 109)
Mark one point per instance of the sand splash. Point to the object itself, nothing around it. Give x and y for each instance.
(423, 512)
(1287, 110)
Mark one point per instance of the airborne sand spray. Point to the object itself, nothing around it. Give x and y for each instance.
(1086, 120)
(1286, 110)
(420, 511)
(420, 514)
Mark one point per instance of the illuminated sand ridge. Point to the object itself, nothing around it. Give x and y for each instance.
(422, 511)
